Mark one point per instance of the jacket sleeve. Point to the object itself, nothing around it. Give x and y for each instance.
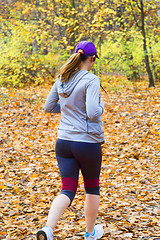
(51, 104)
(94, 108)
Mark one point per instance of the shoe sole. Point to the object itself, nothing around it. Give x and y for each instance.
(41, 235)
(99, 237)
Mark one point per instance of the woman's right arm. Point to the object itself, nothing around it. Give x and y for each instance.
(51, 104)
(94, 107)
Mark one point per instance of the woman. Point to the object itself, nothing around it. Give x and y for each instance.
(80, 134)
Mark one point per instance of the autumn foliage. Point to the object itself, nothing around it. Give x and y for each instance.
(37, 36)
(30, 178)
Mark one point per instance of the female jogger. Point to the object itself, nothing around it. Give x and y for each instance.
(76, 95)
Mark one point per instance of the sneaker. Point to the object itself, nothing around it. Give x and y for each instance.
(98, 233)
(46, 233)
(41, 235)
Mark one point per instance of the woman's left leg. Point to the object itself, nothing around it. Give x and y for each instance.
(69, 170)
(59, 205)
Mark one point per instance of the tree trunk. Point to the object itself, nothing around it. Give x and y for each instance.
(153, 65)
(74, 33)
(132, 75)
(99, 53)
(150, 76)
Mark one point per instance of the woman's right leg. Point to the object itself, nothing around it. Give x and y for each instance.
(89, 156)
(91, 210)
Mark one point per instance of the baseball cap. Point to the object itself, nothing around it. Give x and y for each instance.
(88, 48)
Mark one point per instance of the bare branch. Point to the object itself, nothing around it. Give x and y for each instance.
(134, 15)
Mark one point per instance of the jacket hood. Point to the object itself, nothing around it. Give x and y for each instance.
(65, 88)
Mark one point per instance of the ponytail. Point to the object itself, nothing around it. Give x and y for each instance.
(71, 66)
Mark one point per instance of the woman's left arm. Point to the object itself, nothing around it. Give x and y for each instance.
(51, 104)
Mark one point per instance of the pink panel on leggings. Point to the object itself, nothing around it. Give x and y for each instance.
(91, 183)
(69, 184)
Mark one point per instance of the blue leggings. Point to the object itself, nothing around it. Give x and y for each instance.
(73, 156)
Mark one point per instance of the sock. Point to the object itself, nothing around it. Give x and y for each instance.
(49, 232)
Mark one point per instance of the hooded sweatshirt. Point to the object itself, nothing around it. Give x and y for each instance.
(79, 102)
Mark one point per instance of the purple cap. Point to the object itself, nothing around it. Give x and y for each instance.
(88, 48)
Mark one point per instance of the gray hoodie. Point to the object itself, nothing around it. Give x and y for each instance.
(80, 107)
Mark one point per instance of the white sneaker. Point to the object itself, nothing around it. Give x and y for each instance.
(41, 235)
(46, 233)
(98, 233)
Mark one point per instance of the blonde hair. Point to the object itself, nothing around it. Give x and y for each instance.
(71, 66)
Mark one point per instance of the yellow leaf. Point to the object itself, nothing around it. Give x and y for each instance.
(154, 219)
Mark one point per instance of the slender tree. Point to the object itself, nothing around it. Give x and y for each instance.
(150, 76)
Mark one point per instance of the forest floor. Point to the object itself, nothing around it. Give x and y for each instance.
(130, 176)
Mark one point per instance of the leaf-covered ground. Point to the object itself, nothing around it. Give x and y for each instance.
(130, 177)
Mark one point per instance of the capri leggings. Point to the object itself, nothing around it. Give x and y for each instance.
(74, 156)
